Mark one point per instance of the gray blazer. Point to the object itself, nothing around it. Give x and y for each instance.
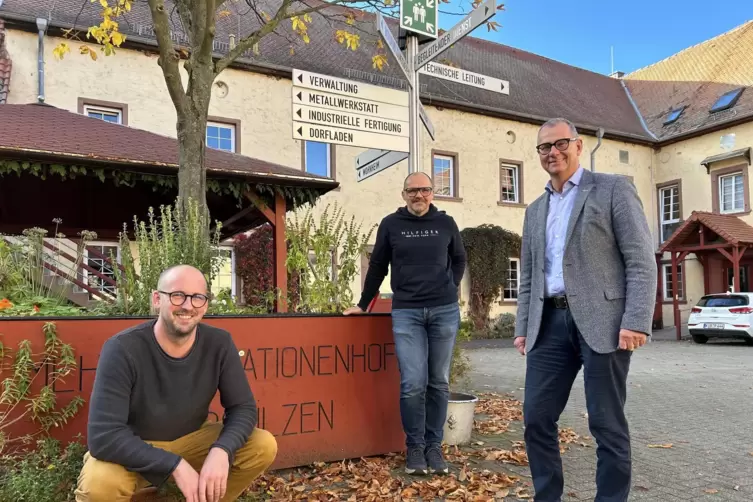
(609, 266)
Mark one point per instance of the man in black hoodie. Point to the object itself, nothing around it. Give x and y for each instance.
(424, 248)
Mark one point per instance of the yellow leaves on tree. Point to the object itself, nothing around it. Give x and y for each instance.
(300, 27)
(106, 33)
(379, 61)
(351, 40)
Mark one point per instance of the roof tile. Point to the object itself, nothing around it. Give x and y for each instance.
(42, 130)
(729, 227)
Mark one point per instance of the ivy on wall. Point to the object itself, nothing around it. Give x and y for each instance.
(158, 182)
(489, 249)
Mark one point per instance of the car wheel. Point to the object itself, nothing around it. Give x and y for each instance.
(700, 339)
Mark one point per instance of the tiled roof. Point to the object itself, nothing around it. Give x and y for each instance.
(696, 78)
(40, 131)
(729, 227)
(540, 88)
(5, 66)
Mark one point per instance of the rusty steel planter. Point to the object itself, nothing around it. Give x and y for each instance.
(327, 386)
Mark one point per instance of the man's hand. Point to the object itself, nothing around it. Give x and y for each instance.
(520, 344)
(213, 477)
(187, 480)
(631, 340)
(353, 310)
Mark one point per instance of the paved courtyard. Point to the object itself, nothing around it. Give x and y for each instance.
(696, 398)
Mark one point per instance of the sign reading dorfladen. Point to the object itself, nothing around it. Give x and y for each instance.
(466, 77)
(334, 110)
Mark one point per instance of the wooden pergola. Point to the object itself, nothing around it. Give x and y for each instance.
(705, 234)
(96, 176)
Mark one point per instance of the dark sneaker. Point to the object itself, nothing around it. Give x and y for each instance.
(415, 462)
(436, 461)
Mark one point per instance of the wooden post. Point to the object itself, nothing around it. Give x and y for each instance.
(705, 260)
(281, 254)
(736, 269)
(675, 297)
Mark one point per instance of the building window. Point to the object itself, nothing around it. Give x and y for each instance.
(731, 193)
(674, 115)
(225, 278)
(669, 289)
(107, 111)
(98, 256)
(727, 100)
(221, 136)
(444, 173)
(317, 158)
(510, 291)
(509, 182)
(111, 115)
(669, 216)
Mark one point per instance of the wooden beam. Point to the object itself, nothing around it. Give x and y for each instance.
(261, 206)
(675, 298)
(281, 254)
(736, 270)
(705, 261)
(240, 214)
(726, 254)
(682, 256)
(705, 247)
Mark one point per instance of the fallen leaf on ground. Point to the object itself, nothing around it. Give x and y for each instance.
(498, 411)
(668, 445)
(711, 490)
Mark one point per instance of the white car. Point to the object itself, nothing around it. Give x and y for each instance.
(722, 315)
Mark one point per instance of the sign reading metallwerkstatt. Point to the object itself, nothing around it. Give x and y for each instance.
(419, 16)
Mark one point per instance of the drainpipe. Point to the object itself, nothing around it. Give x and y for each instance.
(599, 135)
(42, 27)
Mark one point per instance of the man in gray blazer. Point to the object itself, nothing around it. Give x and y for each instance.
(586, 298)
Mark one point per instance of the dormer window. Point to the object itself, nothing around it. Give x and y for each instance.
(674, 115)
(726, 101)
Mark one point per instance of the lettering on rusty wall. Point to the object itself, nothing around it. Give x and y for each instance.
(295, 418)
(318, 360)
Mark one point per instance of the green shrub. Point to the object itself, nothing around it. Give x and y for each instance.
(46, 474)
(502, 326)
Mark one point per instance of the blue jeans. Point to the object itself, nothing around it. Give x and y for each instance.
(424, 340)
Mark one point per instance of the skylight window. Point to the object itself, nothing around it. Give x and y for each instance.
(727, 100)
(674, 115)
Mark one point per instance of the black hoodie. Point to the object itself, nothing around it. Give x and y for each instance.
(427, 258)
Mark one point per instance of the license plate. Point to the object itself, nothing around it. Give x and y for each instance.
(713, 326)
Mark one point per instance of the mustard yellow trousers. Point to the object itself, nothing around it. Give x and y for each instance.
(101, 481)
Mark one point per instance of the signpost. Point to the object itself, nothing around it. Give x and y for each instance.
(379, 164)
(466, 77)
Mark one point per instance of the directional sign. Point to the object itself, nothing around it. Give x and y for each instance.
(380, 164)
(419, 16)
(346, 120)
(350, 88)
(346, 104)
(369, 156)
(386, 34)
(477, 16)
(349, 137)
(466, 77)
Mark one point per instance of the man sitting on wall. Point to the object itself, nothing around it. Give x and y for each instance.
(424, 247)
(150, 403)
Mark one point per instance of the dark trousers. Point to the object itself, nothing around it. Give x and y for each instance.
(551, 367)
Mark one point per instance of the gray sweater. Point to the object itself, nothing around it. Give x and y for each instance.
(141, 393)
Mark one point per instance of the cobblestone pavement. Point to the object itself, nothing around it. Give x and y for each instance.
(698, 398)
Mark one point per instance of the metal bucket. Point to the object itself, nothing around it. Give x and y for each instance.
(460, 413)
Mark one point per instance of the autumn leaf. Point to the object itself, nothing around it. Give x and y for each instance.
(711, 491)
(668, 445)
(379, 61)
(223, 13)
(60, 51)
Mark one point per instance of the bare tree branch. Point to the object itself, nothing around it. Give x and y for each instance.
(168, 58)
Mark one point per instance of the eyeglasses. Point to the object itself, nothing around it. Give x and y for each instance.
(560, 144)
(178, 298)
(414, 191)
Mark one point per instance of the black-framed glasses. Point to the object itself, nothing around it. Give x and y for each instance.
(423, 190)
(178, 298)
(560, 144)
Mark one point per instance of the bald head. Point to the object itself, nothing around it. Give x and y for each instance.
(420, 176)
(182, 273)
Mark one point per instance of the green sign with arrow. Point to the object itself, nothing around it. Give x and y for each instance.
(419, 16)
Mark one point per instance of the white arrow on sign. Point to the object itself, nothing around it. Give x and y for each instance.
(349, 137)
(369, 156)
(335, 102)
(408, 21)
(351, 88)
(380, 164)
(384, 31)
(466, 77)
(350, 121)
(429, 4)
(430, 27)
(477, 16)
